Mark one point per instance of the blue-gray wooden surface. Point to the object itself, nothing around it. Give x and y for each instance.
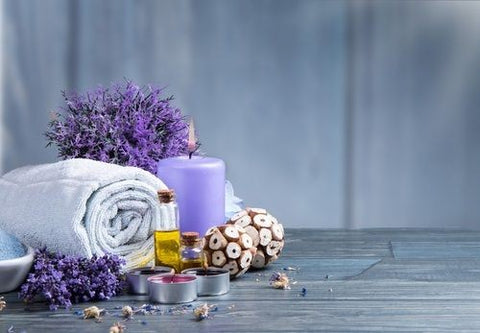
(328, 113)
(377, 280)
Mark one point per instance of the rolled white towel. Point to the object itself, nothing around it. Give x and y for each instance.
(84, 207)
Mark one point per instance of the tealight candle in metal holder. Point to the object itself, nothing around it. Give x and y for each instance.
(137, 278)
(211, 281)
(172, 288)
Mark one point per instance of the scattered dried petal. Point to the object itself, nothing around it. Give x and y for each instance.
(147, 309)
(280, 281)
(180, 309)
(202, 312)
(117, 328)
(127, 312)
(3, 303)
(92, 312)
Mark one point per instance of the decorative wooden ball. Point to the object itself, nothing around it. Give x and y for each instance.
(266, 233)
(229, 246)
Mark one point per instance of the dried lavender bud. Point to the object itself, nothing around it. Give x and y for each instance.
(127, 312)
(117, 328)
(123, 124)
(92, 312)
(304, 292)
(63, 280)
(203, 311)
(280, 281)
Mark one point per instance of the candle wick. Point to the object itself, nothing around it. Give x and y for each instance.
(192, 141)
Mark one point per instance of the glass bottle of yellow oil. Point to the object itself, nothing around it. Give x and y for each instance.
(167, 242)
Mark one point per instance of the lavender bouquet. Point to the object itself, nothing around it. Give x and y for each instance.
(62, 280)
(124, 124)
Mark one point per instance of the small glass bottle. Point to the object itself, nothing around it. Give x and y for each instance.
(167, 241)
(191, 250)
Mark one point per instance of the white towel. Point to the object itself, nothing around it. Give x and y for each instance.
(84, 207)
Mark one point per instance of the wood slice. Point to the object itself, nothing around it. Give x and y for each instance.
(244, 221)
(253, 233)
(245, 259)
(273, 218)
(243, 271)
(210, 231)
(229, 232)
(253, 211)
(233, 250)
(258, 260)
(245, 241)
(217, 241)
(271, 259)
(238, 215)
(277, 232)
(232, 266)
(239, 228)
(218, 258)
(262, 221)
(265, 236)
(273, 248)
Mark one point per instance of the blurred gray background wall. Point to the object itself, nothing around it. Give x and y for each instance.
(327, 113)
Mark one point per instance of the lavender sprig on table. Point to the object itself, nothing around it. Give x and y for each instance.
(123, 124)
(62, 280)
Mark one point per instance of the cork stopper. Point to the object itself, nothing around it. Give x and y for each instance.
(166, 196)
(190, 237)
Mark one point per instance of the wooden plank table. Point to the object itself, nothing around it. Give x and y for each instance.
(364, 281)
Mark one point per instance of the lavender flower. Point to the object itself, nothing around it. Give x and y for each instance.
(279, 281)
(304, 292)
(63, 280)
(123, 124)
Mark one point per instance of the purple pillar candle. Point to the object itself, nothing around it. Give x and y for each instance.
(199, 184)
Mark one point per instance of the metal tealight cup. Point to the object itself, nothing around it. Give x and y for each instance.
(172, 288)
(137, 278)
(211, 281)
